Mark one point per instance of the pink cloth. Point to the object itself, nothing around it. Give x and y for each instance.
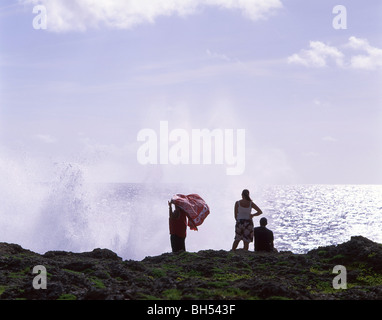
(194, 206)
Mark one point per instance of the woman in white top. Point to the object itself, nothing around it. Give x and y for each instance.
(243, 217)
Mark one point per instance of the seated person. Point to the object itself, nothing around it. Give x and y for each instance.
(263, 237)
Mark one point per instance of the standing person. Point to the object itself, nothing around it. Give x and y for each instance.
(263, 237)
(178, 228)
(243, 217)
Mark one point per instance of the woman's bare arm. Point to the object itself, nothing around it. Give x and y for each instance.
(258, 210)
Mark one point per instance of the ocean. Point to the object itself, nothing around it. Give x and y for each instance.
(132, 219)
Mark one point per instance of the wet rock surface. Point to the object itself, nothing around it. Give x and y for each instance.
(208, 274)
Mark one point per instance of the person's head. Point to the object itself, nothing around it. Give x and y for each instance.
(245, 195)
(263, 222)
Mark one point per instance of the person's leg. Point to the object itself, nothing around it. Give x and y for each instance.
(237, 239)
(173, 243)
(248, 234)
(177, 243)
(235, 244)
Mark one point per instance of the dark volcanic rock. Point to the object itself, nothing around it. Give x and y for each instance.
(358, 250)
(102, 275)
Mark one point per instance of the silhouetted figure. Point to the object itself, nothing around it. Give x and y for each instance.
(263, 237)
(243, 217)
(178, 228)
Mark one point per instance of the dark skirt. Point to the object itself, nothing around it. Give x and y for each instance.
(244, 230)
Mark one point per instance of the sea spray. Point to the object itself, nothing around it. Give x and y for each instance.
(63, 212)
(57, 206)
(62, 220)
(21, 201)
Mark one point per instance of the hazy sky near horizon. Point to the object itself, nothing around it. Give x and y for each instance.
(308, 95)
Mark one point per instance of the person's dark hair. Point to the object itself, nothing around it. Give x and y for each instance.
(245, 195)
(263, 222)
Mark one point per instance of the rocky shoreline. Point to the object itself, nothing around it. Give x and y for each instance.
(204, 275)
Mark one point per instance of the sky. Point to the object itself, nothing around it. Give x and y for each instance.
(304, 86)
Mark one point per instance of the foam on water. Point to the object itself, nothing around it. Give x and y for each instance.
(70, 213)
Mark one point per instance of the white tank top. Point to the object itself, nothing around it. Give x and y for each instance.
(244, 213)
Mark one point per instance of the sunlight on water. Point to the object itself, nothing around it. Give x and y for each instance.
(71, 214)
(304, 217)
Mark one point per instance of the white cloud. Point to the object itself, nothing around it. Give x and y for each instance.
(215, 55)
(319, 54)
(79, 15)
(329, 139)
(45, 138)
(371, 60)
(310, 154)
